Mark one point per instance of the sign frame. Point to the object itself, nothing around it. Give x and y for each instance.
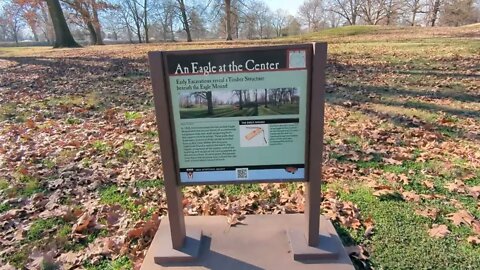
(162, 90)
(316, 65)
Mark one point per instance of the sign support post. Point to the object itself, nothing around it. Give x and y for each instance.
(172, 189)
(315, 153)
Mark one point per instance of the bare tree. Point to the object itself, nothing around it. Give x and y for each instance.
(137, 12)
(182, 12)
(459, 12)
(293, 26)
(311, 14)
(347, 9)
(373, 11)
(163, 15)
(433, 11)
(197, 24)
(12, 20)
(392, 11)
(414, 8)
(279, 21)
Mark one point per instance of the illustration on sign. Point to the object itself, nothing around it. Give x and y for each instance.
(239, 116)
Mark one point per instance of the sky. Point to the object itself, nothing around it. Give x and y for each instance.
(290, 6)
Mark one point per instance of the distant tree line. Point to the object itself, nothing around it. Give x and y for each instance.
(59, 22)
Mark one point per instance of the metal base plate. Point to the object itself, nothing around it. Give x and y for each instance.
(262, 243)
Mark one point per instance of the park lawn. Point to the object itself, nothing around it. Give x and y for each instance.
(402, 151)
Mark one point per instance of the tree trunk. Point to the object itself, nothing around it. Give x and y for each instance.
(145, 22)
(186, 26)
(96, 24)
(228, 18)
(63, 37)
(436, 9)
(209, 103)
(91, 31)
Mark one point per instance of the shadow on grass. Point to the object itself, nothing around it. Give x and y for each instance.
(348, 240)
(349, 96)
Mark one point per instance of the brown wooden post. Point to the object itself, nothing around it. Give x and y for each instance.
(317, 112)
(172, 189)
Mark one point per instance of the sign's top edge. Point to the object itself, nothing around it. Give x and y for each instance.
(237, 49)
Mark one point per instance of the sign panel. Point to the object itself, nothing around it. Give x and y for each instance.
(239, 115)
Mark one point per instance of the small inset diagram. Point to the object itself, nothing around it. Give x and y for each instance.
(254, 135)
(297, 59)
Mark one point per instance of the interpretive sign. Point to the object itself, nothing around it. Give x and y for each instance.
(239, 115)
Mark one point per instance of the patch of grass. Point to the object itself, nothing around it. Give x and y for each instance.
(4, 184)
(237, 190)
(73, 121)
(151, 133)
(129, 116)
(410, 112)
(337, 156)
(100, 146)
(152, 183)
(111, 195)
(400, 236)
(354, 140)
(94, 235)
(28, 186)
(122, 263)
(4, 207)
(450, 132)
(48, 266)
(86, 162)
(39, 227)
(48, 163)
(19, 258)
(127, 149)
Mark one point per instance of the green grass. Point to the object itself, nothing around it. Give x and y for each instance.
(73, 121)
(122, 263)
(26, 187)
(4, 184)
(127, 150)
(40, 227)
(101, 146)
(19, 258)
(152, 183)
(238, 190)
(111, 195)
(130, 116)
(4, 207)
(401, 240)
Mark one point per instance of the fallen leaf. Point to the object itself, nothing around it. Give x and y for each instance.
(369, 227)
(429, 212)
(410, 196)
(474, 240)
(428, 184)
(462, 216)
(83, 223)
(438, 231)
(235, 219)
